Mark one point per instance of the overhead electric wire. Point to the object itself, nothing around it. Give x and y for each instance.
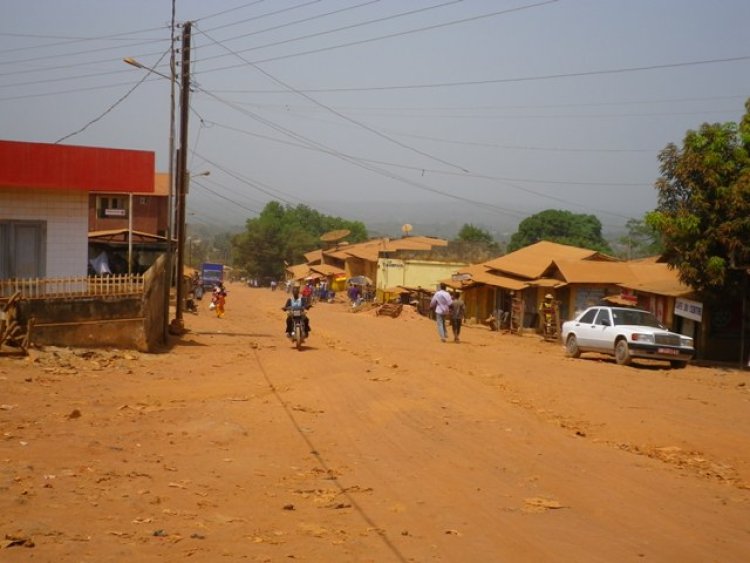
(420, 108)
(620, 70)
(70, 91)
(67, 40)
(372, 130)
(334, 30)
(217, 194)
(110, 108)
(229, 10)
(504, 181)
(87, 52)
(260, 186)
(294, 22)
(376, 170)
(266, 15)
(379, 38)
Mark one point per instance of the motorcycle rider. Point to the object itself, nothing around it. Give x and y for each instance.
(296, 301)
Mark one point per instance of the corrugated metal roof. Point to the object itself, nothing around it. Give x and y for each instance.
(547, 282)
(594, 271)
(327, 269)
(162, 181)
(532, 261)
(656, 278)
(72, 167)
(496, 280)
(370, 250)
(298, 271)
(429, 241)
(664, 287)
(314, 256)
(121, 235)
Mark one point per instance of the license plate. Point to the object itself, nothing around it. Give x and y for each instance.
(297, 313)
(669, 351)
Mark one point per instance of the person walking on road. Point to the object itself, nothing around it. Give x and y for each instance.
(441, 304)
(458, 312)
(220, 299)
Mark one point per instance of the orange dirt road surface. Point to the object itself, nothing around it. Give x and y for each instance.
(376, 442)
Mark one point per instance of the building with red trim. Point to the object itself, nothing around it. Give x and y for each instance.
(44, 202)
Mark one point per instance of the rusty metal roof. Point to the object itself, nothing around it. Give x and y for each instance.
(532, 261)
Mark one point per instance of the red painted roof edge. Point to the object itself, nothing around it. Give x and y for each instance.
(68, 167)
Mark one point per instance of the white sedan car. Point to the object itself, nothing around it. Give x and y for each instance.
(625, 333)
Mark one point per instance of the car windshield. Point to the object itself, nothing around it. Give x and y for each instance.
(634, 317)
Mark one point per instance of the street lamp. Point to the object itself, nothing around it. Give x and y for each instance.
(181, 177)
(171, 191)
(198, 175)
(137, 64)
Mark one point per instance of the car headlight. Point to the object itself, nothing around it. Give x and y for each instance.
(644, 337)
(686, 341)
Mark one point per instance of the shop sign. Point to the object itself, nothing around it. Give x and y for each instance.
(689, 309)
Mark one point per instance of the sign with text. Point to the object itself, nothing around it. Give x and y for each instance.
(688, 309)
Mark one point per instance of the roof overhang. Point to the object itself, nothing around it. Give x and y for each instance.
(123, 236)
(66, 167)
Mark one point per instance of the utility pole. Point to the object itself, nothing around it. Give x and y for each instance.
(178, 326)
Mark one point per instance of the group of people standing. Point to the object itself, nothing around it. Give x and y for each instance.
(448, 306)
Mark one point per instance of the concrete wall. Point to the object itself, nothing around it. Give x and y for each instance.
(66, 215)
(414, 273)
(128, 322)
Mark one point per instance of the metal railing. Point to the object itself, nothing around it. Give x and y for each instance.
(74, 286)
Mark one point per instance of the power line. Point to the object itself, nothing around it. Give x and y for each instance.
(336, 30)
(379, 38)
(296, 22)
(422, 108)
(87, 52)
(267, 14)
(217, 194)
(505, 181)
(110, 108)
(260, 186)
(621, 70)
(229, 10)
(374, 169)
(72, 90)
(67, 40)
(341, 115)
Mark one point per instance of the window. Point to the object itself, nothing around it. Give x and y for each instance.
(22, 249)
(112, 207)
(602, 319)
(636, 318)
(589, 316)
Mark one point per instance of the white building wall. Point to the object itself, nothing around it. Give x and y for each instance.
(66, 215)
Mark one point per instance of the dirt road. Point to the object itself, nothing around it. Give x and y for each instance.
(376, 443)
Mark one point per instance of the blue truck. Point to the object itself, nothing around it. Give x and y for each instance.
(211, 275)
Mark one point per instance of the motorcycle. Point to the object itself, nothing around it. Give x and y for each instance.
(299, 324)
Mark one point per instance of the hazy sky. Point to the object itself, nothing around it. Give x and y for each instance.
(504, 106)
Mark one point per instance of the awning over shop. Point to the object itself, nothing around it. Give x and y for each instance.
(122, 236)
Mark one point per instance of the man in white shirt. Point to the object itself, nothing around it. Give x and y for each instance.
(441, 304)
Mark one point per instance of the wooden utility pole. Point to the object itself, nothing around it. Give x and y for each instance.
(178, 326)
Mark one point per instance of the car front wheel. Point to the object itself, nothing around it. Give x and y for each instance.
(622, 354)
(571, 347)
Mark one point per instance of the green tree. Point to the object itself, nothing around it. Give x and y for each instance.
(564, 227)
(283, 234)
(703, 214)
(474, 244)
(472, 233)
(640, 241)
